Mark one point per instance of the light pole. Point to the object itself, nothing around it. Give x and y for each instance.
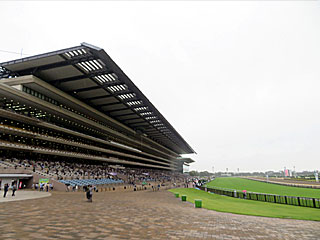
(213, 170)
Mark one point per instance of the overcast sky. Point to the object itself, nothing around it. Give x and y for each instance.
(240, 81)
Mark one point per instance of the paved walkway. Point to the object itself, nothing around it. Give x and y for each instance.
(22, 195)
(137, 215)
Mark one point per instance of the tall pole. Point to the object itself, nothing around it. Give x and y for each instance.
(213, 171)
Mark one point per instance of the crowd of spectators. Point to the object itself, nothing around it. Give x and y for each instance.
(79, 169)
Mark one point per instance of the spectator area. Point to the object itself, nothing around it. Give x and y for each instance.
(87, 182)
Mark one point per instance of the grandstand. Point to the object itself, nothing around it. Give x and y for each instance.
(65, 111)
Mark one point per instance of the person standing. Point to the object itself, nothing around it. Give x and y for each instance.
(5, 189)
(244, 194)
(14, 189)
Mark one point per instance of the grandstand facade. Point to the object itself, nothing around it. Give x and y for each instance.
(77, 104)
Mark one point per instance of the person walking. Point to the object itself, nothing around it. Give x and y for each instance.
(89, 193)
(14, 189)
(5, 189)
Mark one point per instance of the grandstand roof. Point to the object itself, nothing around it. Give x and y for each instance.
(186, 161)
(89, 74)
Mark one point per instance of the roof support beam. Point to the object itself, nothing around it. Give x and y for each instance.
(108, 104)
(139, 124)
(117, 110)
(84, 89)
(79, 77)
(98, 97)
(73, 61)
(134, 120)
(121, 115)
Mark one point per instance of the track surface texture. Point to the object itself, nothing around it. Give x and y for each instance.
(137, 215)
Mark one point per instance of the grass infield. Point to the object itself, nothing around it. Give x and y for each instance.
(261, 187)
(248, 207)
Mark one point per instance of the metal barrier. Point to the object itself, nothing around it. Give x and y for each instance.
(272, 198)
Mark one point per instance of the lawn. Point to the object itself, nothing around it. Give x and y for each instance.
(261, 187)
(248, 207)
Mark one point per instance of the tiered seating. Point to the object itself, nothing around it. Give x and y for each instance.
(87, 182)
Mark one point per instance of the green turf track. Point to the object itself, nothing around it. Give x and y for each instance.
(261, 187)
(248, 207)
